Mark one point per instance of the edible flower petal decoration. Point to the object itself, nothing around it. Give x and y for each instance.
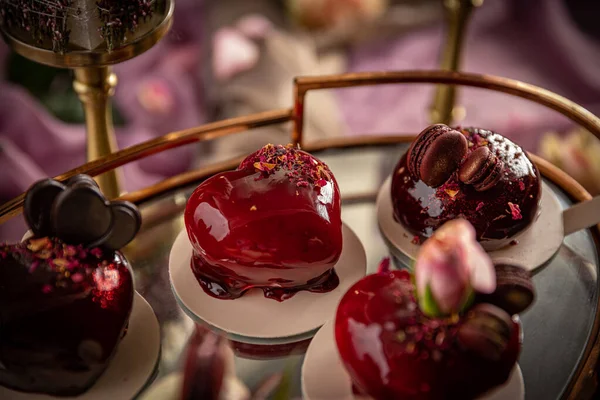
(451, 268)
(300, 167)
(77, 213)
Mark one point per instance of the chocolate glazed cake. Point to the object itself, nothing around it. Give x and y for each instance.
(471, 173)
(66, 293)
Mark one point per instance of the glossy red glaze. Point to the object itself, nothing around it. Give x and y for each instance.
(392, 351)
(251, 229)
(63, 311)
(497, 214)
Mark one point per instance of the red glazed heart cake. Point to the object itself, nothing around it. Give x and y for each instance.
(274, 223)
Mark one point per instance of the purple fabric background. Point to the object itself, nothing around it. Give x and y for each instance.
(536, 43)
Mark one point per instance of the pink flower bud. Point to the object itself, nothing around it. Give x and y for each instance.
(451, 265)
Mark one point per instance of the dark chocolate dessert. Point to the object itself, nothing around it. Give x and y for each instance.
(445, 332)
(469, 173)
(66, 293)
(274, 223)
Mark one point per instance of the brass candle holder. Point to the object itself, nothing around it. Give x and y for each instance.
(87, 37)
(458, 12)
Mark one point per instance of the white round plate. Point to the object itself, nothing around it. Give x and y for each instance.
(324, 375)
(253, 318)
(132, 368)
(535, 246)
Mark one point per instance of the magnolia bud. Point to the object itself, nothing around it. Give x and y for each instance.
(450, 267)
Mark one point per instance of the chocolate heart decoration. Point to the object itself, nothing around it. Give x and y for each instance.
(38, 201)
(126, 224)
(82, 179)
(78, 213)
(81, 214)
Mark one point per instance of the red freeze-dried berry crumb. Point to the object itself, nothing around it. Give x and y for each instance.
(515, 211)
(384, 266)
(71, 264)
(301, 167)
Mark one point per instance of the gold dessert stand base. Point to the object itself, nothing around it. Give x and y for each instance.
(583, 380)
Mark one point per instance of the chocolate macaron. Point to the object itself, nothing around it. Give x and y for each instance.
(490, 181)
(481, 169)
(436, 153)
(486, 331)
(514, 289)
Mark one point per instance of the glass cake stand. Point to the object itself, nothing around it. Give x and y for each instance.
(561, 345)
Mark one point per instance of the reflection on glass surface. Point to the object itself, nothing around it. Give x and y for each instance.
(556, 327)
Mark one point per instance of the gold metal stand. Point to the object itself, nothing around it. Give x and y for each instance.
(95, 86)
(443, 109)
(95, 82)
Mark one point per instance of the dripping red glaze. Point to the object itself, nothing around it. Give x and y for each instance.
(274, 223)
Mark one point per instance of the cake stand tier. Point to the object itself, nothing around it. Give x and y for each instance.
(561, 343)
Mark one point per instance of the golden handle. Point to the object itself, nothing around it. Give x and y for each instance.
(571, 110)
(458, 13)
(541, 96)
(95, 86)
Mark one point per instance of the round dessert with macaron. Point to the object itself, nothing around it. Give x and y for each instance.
(445, 332)
(469, 173)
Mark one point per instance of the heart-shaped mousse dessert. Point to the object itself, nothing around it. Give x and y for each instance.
(471, 173)
(274, 223)
(431, 336)
(65, 298)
